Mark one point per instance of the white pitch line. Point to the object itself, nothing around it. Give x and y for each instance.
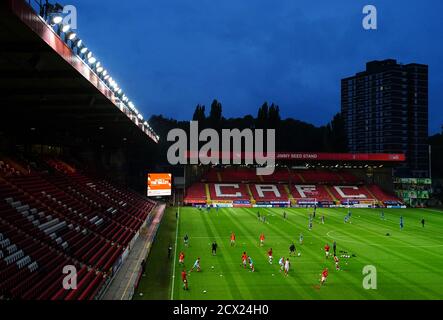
(340, 238)
(175, 254)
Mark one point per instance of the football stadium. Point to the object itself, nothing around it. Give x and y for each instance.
(91, 210)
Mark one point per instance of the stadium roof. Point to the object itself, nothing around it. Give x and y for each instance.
(47, 88)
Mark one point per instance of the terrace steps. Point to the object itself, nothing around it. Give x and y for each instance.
(290, 197)
(371, 194)
(250, 193)
(301, 177)
(330, 193)
(208, 193)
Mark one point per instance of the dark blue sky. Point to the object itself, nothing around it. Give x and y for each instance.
(169, 55)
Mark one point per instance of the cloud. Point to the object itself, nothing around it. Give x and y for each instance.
(170, 55)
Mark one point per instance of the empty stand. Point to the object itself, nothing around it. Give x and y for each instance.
(268, 192)
(284, 185)
(280, 175)
(196, 193)
(382, 195)
(312, 192)
(62, 217)
(228, 191)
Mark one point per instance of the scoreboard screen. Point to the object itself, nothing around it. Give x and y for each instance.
(159, 184)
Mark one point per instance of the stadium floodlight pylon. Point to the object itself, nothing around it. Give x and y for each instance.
(54, 17)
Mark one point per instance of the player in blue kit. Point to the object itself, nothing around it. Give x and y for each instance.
(281, 263)
(196, 265)
(251, 264)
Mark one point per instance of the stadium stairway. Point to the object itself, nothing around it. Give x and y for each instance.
(290, 196)
(331, 194)
(250, 194)
(372, 194)
(208, 193)
(300, 177)
(382, 195)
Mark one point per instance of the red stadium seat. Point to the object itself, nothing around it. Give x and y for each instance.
(58, 218)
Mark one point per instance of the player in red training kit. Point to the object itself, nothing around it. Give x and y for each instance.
(244, 258)
(337, 266)
(232, 239)
(327, 248)
(270, 255)
(324, 276)
(181, 258)
(185, 281)
(262, 239)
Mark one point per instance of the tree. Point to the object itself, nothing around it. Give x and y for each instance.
(262, 115)
(339, 139)
(291, 135)
(199, 113)
(274, 116)
(215, 114)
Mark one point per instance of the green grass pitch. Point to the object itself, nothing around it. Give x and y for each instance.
(408, 262)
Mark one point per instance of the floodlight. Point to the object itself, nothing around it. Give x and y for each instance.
(56, 19)
(66, 28)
